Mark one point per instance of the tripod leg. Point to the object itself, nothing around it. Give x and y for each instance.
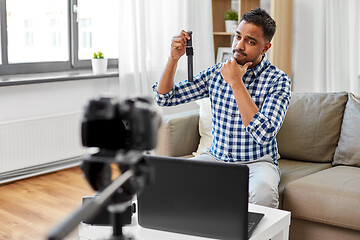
(117, 224)
(118, 220)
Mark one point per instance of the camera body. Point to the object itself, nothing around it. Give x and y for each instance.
(112, 125)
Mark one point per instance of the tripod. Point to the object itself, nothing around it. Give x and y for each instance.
(117, 196)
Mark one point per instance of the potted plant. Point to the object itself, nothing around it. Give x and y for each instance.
(99, 63)
(231, 21)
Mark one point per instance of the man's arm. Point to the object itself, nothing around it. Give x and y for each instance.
(232, 73)
(263, 124)
(178, 48)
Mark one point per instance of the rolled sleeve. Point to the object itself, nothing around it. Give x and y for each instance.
(185, 91)
(261, 129)
(161, 99)
(266, 123)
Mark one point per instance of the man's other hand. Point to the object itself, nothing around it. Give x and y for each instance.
(232, 72)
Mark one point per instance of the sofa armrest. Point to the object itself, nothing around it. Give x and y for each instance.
(178, 134)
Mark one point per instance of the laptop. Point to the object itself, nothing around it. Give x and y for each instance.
(197, 197)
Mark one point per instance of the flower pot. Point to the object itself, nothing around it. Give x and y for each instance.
(231, 25)
(99, 65)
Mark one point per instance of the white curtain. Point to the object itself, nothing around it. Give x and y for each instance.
(327, 46)
(146, 30)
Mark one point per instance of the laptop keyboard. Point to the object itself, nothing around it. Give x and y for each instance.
(253, 221)
(250, 226)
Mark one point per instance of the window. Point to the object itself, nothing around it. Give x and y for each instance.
(55, 35)
(85, 36)
(29, 33)
(101, 19)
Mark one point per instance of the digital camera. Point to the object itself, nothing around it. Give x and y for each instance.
(112, 125)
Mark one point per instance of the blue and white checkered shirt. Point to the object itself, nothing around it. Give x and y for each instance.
(270, 89)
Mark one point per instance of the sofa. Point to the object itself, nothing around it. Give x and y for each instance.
(319, 148)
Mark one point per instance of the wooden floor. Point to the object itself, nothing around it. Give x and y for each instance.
(30, 208)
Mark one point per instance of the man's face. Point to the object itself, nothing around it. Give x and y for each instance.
(249, 44)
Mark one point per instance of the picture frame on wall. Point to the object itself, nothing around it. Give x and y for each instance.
(223, 54)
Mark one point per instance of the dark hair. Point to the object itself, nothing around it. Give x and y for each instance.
(261, 18)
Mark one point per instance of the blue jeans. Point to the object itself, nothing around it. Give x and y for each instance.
(264, 178)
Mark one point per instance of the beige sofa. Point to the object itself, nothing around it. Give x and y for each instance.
(319, 145)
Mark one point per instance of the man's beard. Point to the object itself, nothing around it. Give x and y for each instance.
(241, 53)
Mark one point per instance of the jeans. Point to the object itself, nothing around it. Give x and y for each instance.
(264, 178)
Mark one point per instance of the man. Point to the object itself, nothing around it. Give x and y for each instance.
(249, 99)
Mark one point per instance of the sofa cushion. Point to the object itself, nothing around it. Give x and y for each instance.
(331, 196)
(311, 128)
(348, 149)
(306, 230)
(205, 125)
(178, 134)
(292, 170)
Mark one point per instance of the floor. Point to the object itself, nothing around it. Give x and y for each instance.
(30, 208)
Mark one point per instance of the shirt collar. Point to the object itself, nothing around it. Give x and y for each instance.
(261, 66)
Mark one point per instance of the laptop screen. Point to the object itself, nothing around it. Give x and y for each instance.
(196, 197)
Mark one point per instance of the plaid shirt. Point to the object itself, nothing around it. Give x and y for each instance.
(269, 88)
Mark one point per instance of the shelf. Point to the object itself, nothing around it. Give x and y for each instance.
(224, 33)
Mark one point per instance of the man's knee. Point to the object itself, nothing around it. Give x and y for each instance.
(265, 195)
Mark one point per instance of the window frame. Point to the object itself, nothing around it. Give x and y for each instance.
(54, 66)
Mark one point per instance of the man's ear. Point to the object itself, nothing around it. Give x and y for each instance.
(267, 46)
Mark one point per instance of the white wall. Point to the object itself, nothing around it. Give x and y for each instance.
(35, 100)
(40, 125)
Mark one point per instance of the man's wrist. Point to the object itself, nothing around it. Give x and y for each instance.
(173, 58)
(237, 85)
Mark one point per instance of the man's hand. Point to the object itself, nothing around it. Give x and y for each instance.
(178, 45)
(178, 48)
(232, 72)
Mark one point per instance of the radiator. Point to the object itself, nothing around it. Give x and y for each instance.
(33, 146)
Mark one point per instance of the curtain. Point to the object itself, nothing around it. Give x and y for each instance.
(146, 30)
(326, 46)
(341, 38)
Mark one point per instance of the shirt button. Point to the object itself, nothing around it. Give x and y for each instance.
(233, 115)
(229, 154)
(230, 135)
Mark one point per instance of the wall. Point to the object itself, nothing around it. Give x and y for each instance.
(40, 125)
(35, 100)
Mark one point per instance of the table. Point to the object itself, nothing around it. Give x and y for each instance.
(274, 225)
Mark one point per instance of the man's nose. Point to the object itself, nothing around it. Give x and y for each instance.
(240, 44)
